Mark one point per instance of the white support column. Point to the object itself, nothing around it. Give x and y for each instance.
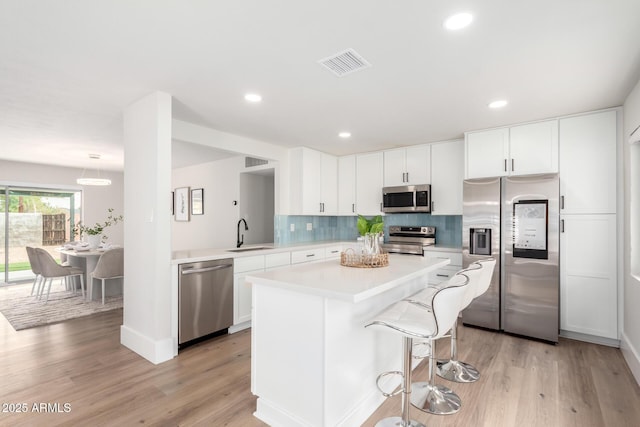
(147, 228)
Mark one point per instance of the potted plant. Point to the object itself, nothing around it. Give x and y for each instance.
(94, 234)
(371, 230)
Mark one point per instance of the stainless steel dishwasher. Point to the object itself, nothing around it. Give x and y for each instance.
(205, 298)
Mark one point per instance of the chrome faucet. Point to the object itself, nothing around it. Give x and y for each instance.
(246, 228)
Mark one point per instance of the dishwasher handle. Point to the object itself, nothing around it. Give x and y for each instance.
(206, 269)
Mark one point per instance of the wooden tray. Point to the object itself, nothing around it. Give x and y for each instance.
(349, 258)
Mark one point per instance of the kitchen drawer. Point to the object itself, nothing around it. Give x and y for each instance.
(331, 252)
(455, 257)
(443, 274)
(277, 260)
(249, 263)
(306, 256)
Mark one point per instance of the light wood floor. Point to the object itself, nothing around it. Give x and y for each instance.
(81, 363)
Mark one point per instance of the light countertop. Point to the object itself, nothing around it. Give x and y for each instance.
(196, 255)
(443, 248)
(332, 280)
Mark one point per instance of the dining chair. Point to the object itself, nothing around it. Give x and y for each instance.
(109, 266)
(50, 269)
(35, 268)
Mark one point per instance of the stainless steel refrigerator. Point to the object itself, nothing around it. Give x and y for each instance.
(516, 221)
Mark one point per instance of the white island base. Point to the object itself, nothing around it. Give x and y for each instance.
(313, 363)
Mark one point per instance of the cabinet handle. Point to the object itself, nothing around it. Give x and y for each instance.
(562, 225)
(433, 206)
(353, 207)
(505, 165)
(407, 177)
(512, 161)
(380, 206)
(561, 202)
(442, 275)
(310, 255)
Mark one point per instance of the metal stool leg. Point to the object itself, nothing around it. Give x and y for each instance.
(453, 369)
(433, 398)
(404, 420)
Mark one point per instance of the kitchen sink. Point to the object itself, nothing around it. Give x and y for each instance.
(250, 248)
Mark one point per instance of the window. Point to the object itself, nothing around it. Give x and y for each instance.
(37, 217)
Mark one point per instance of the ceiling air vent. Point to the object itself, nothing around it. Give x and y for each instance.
(345, 62)
(252, 161)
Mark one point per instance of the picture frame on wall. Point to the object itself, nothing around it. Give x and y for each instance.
(182, 204)
(197, 201)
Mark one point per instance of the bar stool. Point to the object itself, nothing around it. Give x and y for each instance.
(412, 320)
(479, 273)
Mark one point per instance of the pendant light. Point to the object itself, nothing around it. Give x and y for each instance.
(93, 181)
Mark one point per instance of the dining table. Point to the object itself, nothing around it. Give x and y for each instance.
(87, 259)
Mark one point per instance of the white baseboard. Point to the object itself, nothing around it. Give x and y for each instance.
(239, 327)
(631, 356)
(152, 350)
(590, 338)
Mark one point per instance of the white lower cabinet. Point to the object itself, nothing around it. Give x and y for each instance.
(244, 266)
(332, 252)
(242, 289)
(307, 255)
(588, 279)
(445, 273)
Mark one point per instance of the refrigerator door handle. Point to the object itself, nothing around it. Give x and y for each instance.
(561, 202)
(562, 225)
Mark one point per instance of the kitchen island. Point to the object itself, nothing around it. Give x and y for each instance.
(313, 363)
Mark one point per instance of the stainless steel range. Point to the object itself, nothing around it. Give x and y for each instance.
(409, 239)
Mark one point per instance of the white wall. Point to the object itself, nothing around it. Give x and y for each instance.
(217, 227)
(630, 340)
(196, 134)
(97, 200)
(257, 207)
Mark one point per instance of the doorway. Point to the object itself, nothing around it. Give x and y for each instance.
(257, 205)
(38, 217)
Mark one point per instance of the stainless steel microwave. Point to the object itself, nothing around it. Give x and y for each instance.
(407, 198)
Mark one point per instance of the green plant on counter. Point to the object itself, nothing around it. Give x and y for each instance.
(374, 225)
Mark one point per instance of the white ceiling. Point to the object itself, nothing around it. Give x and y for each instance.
(69, 68)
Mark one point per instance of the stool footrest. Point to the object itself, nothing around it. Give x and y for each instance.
(386, 374)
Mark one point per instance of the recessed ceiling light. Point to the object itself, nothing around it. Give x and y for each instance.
(498, 104)
(344, 135)
(458, 21)
(253, 97)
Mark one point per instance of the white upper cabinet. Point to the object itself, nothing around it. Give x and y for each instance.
(369, 183)
(588, 163)
(447, 174)
(533, 148)
(404, 166)
(313, 183)
(347, 185)
(518, 150)
(487, 153)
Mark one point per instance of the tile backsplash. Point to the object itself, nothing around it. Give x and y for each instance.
(448, 227)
